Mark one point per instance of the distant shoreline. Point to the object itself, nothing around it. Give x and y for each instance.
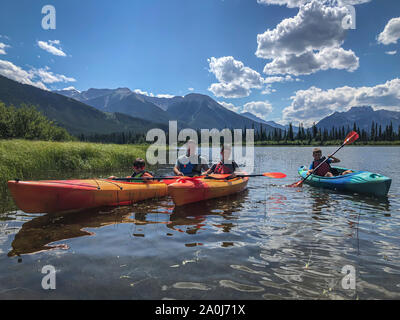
(396, 144)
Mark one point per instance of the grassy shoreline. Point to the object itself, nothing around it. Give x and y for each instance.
(22, 159)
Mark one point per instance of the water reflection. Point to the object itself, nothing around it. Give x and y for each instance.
(269, 242)
(39, 233)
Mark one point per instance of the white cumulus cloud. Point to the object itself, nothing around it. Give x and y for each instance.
(165, 95)
(51, 48)
(391, 32)
(49, 77)
(235, 80)
(3, 46)
(34, 77)
(230, 106)
(314, 103)
(308, 42)
(311, 62)
(287, 78)
(297, 3)
(13, 72)
(145, 93)
(259, 108)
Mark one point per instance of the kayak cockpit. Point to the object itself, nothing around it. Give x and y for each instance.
(364, 182)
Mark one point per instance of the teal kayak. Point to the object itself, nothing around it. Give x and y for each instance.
(359, 182)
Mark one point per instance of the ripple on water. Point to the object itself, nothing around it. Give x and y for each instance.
(249, 270)
(240, 286)
(191, 285)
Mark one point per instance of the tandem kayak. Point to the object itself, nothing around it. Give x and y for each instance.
(72, 195)
(363, 182)
(185, 191)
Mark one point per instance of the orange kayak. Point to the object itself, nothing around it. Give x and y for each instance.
(184, 191)
(71, 195)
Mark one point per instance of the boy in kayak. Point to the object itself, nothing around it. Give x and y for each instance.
(222, 167)
(325, 170)
(139, 170)
(191, 164)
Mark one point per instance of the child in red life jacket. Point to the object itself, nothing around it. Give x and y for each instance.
(222, 167)
(325, 169)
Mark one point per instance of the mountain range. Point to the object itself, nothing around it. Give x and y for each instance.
(71, 114)
(119, 110)
(363, 116)
(196, 111)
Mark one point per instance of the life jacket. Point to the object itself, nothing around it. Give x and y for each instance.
(190, 168)
(323, 169)
(222, 168)
(140, 174)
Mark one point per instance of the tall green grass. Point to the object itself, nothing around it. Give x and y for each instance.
(25, 159)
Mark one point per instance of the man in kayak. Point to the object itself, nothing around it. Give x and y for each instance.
(139, 170)
(191, 164)
(222, 167)
(325, 170)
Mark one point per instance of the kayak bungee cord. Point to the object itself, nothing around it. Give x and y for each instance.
(98, 186)
(105, 180)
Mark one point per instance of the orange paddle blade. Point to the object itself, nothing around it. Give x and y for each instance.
(276, 175)
(351, 137)
(297, 184)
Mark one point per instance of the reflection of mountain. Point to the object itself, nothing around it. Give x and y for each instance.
(39, 233)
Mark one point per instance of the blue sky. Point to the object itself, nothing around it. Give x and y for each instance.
(180, 46)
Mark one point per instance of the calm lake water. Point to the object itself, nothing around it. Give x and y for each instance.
(269, 242)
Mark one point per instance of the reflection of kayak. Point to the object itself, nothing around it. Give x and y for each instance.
(185, 191)
(71, 195)
(358, 182)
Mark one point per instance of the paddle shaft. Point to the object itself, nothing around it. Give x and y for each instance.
(178, 177)
(249, 175)
(147, 178)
